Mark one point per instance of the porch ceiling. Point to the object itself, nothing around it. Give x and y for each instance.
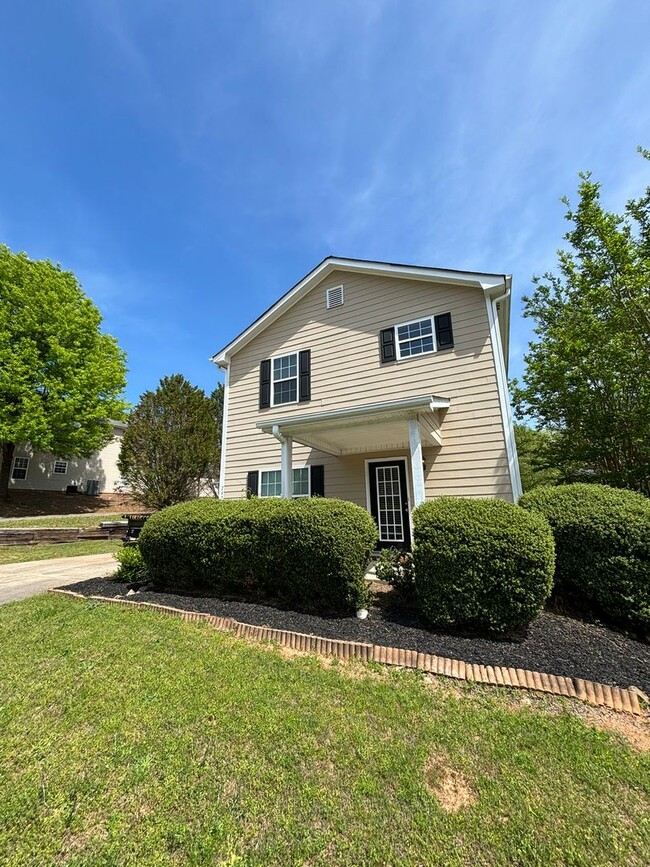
(369, 428)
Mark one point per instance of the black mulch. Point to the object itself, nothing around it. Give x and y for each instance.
(554, 643)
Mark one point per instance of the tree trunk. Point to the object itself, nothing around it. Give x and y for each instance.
(7, 450)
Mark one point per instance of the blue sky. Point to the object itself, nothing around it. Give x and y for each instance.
(191, 161)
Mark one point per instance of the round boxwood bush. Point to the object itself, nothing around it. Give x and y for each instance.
(602, 538)
(483, 565)
(308, 552)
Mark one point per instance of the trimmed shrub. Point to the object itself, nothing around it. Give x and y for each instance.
(131, 566)
(306, 551)
(602, 538)
(481, 564)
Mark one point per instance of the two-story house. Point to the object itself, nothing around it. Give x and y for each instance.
(376, 383)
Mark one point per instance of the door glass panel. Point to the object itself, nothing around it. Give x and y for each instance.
(389, 505)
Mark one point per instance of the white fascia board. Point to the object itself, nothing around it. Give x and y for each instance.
(487, 282)
(426, 402)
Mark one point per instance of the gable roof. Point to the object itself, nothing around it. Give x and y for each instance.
(493, 285)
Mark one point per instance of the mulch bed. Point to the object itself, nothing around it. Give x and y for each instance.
(554, 643)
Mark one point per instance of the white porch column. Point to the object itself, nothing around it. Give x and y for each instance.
(287, 444)
(417, 470)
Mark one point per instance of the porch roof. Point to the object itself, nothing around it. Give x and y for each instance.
(371, 427)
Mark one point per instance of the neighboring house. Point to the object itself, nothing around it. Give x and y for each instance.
(381, 384)
(39, 471)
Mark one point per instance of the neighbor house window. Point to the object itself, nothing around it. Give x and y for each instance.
(60, 468)
(271, 483)
(20, 468)
(285, 379)
(415, 338)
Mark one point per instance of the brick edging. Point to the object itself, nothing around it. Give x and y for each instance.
(598, 694)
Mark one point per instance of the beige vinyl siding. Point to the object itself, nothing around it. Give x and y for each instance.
(346, 371)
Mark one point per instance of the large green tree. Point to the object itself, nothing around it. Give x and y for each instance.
(587, 377)
(170, 448)
(535, 458)
(61, 378)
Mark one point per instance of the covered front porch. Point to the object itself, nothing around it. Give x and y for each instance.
(394, 433)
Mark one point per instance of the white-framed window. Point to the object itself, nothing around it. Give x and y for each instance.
(271, 483)
(21, 465)
(284, 379)
(415, 338)
(300, 482)
(60, 468)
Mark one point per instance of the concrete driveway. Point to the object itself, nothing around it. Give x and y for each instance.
(20, 580)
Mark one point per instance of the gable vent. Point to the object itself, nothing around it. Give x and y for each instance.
(334, 297)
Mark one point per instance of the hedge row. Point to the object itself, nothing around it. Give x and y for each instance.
(481, 564)
(303, 552)
(602, 538)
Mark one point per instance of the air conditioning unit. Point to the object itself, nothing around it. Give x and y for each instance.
(92, 487)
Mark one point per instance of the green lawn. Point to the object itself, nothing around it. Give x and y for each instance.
(131, 738)
(25, 553)
(56, 521)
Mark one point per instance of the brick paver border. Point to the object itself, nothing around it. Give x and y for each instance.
(599, 694)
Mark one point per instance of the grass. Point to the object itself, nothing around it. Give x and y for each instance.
(56, 521)
(27, 553)
(130, 738)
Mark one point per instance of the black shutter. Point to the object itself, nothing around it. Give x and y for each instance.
(317, 480)
(265, 384)
(387, 345)
(444, 334)
(304, 375)
(252, 482)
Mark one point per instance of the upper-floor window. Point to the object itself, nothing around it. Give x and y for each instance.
(20, 468)
(415, 338)
(285, 379)
(60, 468)
(419, 337)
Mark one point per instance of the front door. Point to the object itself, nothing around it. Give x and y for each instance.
(389, 502)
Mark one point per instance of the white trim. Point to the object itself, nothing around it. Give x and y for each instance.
(398, 351)
(502, 389)
(26, 468)
(224, 431)
(417, 471)
(286, 378)
(487, 282)
(62, 472)
(330, 306)
(409, 497)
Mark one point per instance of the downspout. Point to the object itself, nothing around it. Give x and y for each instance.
(502, 382)
(224, 427)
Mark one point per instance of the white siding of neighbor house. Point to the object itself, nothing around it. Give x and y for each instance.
(346, 372)
(102, 465)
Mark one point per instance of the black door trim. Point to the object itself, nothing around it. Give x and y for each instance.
(374, 507)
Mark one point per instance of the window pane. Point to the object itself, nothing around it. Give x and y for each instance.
(285, 367)
(415, 338)
(301, 482)
(271, 483)
(286, 391)
(60, 467)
